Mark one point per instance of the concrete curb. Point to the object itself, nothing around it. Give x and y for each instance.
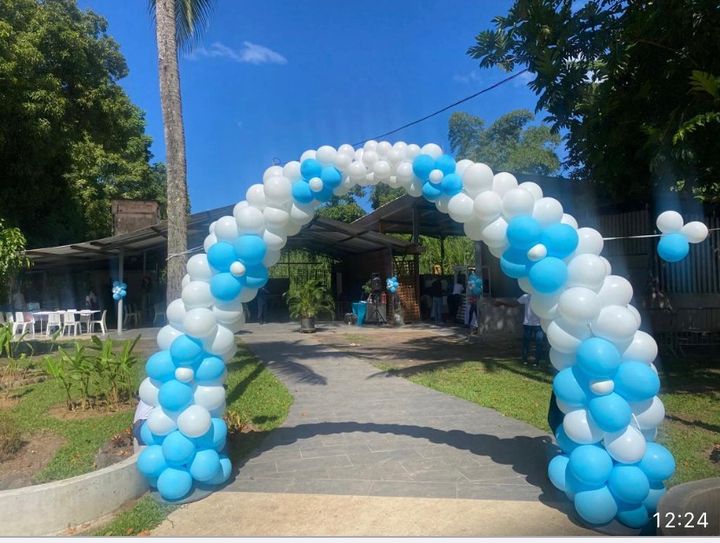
(54, 507)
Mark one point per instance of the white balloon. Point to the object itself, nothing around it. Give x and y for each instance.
(565, 407)
(498, 250)
(278, 189)
(442, 204)
(357, 171)
(184, 375)
(462, 165)
(211, 228)
(291, 170)
(301, 214)
(310, 153)
(495, 233)
(532, 188)
(166, 336)
(669, 222)
(474, 228)
(219, 412)
(271, 258)
(579, 304)
(369, 158)
(210, 240)
(198, 267)
(560, 360)
(413, 150)
(537, 252)
(581, 428)
(382, 170)
(695, 231)
(221, 342)
(316, 184)
(544, 305)
(415, 188)
(224, 315)
(616, 290)
(517, 202)
(650, 435)
(250, 220)
(200, 323)
(477, 178)
(149, 390)
(276, 219)
(241, 204)
(370, 145)
(436, 176)
(175, 313)
(209, 397)
(570, 220)
(608, 266)
(635, 313)
(160, 423)
(342, 161)
(642, 349)
(185, 280)
(626, 446)
(383, 148)
(404, 172)
(602, 388)
(197, 294)
(226, 228)
(326, 154)
(431, 149)
(589, 242)
(461, 207)
(255, 196)
(566, 337)
(194, 421)
(488, 205)
(272, 171)
(547, 211)
(648, 414)
(504, 182)
(237, 268)
(586, 270)
(615, 323)
(274, 241)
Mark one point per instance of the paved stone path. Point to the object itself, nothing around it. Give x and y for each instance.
(353, 430)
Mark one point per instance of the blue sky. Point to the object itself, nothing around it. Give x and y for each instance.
(271, 79)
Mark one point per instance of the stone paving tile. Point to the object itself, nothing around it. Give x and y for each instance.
(343, 487)
(416, 489)
(320, 451)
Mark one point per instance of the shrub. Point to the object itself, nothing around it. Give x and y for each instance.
(10, 438)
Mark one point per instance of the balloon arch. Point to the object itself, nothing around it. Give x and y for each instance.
(606, 385)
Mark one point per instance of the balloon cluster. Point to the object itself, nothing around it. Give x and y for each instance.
(674, 244)
(392, 284)
(606, 386)
(119, 290)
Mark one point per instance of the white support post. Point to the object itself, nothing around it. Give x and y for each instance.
(121, 265)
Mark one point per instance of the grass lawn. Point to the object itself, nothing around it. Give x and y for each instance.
(691, 396)
(256, 400)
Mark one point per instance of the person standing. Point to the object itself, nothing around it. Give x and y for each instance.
(91, 300)
(261, 304)
(454, 299)
(436, 293)
(532, 331)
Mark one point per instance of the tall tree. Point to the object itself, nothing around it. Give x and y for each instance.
(635, 84)
(177, 23)
(70, 138)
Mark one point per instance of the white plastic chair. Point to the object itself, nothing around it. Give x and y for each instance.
(85, 320)
(19, 324)
(53, 321)
(29, 320)
(70, 322)
(100, 322)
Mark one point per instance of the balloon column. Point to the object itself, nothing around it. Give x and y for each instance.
(674, 244)
(392, 284)
(607, 385)
(119, 290)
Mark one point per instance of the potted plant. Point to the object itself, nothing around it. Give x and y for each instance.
(308, 300)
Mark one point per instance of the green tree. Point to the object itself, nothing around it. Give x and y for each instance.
(382, 194)
(70, 138)
(177, 23)
(508, 144)
(343, 208)
(12, 257)
(631, 82)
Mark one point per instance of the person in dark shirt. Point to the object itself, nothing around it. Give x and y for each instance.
(436, 293)
(261, 304)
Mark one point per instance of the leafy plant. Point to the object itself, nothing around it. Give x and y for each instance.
(114, 369)
(308, 300)
(55, 368)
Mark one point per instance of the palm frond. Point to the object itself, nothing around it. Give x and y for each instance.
(191, 20)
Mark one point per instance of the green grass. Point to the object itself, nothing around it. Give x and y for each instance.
(691, 398)
(145, 515)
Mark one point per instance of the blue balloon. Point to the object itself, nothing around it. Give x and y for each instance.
(596, 506)
(673, 247)
(657, 491)
(116, 297)
(175, 396)
(523, 232)
(559, 239)
(629, 484)
(422, 166)
(256, 276)
(301, 192)
(564, 442)
(657, 463)
(556, 471)
(160, 366)
(331, 176)
(219, 433)
(185, 351)
(445, 163)
(225, 286)
(514, 263)
(591, 464)
(225, 471)
(151, 462)
(451, 184)
(325, 195)
(174, 484)
(250, 249)
(221, 255)
(548, 275)
(310, 168)
(205, 466)
(573, 485)
(209, 369)
(569, 387)
(636, 381)
(178, 449)
(431, 192)
(635, 516)
(610, 412)
(598, 358)
(147, 437)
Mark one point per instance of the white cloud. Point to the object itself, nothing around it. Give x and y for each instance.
(249, 53)
(470, 77)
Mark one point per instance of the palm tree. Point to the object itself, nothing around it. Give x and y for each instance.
(177, 24)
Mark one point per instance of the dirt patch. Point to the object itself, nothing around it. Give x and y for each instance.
(8, 402)
(35, 454)
(61, 411)
(116, 450)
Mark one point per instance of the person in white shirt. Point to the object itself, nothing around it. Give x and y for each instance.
(142, 411)
(532, 331)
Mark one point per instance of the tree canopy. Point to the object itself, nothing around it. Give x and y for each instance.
(12, 257)
(635, 84)
(70, 138)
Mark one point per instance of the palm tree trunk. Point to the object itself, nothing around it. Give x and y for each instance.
(174, 145)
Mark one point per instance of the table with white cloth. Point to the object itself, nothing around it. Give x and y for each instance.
(42, 316)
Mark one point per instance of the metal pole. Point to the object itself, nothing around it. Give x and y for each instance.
(121, 265)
